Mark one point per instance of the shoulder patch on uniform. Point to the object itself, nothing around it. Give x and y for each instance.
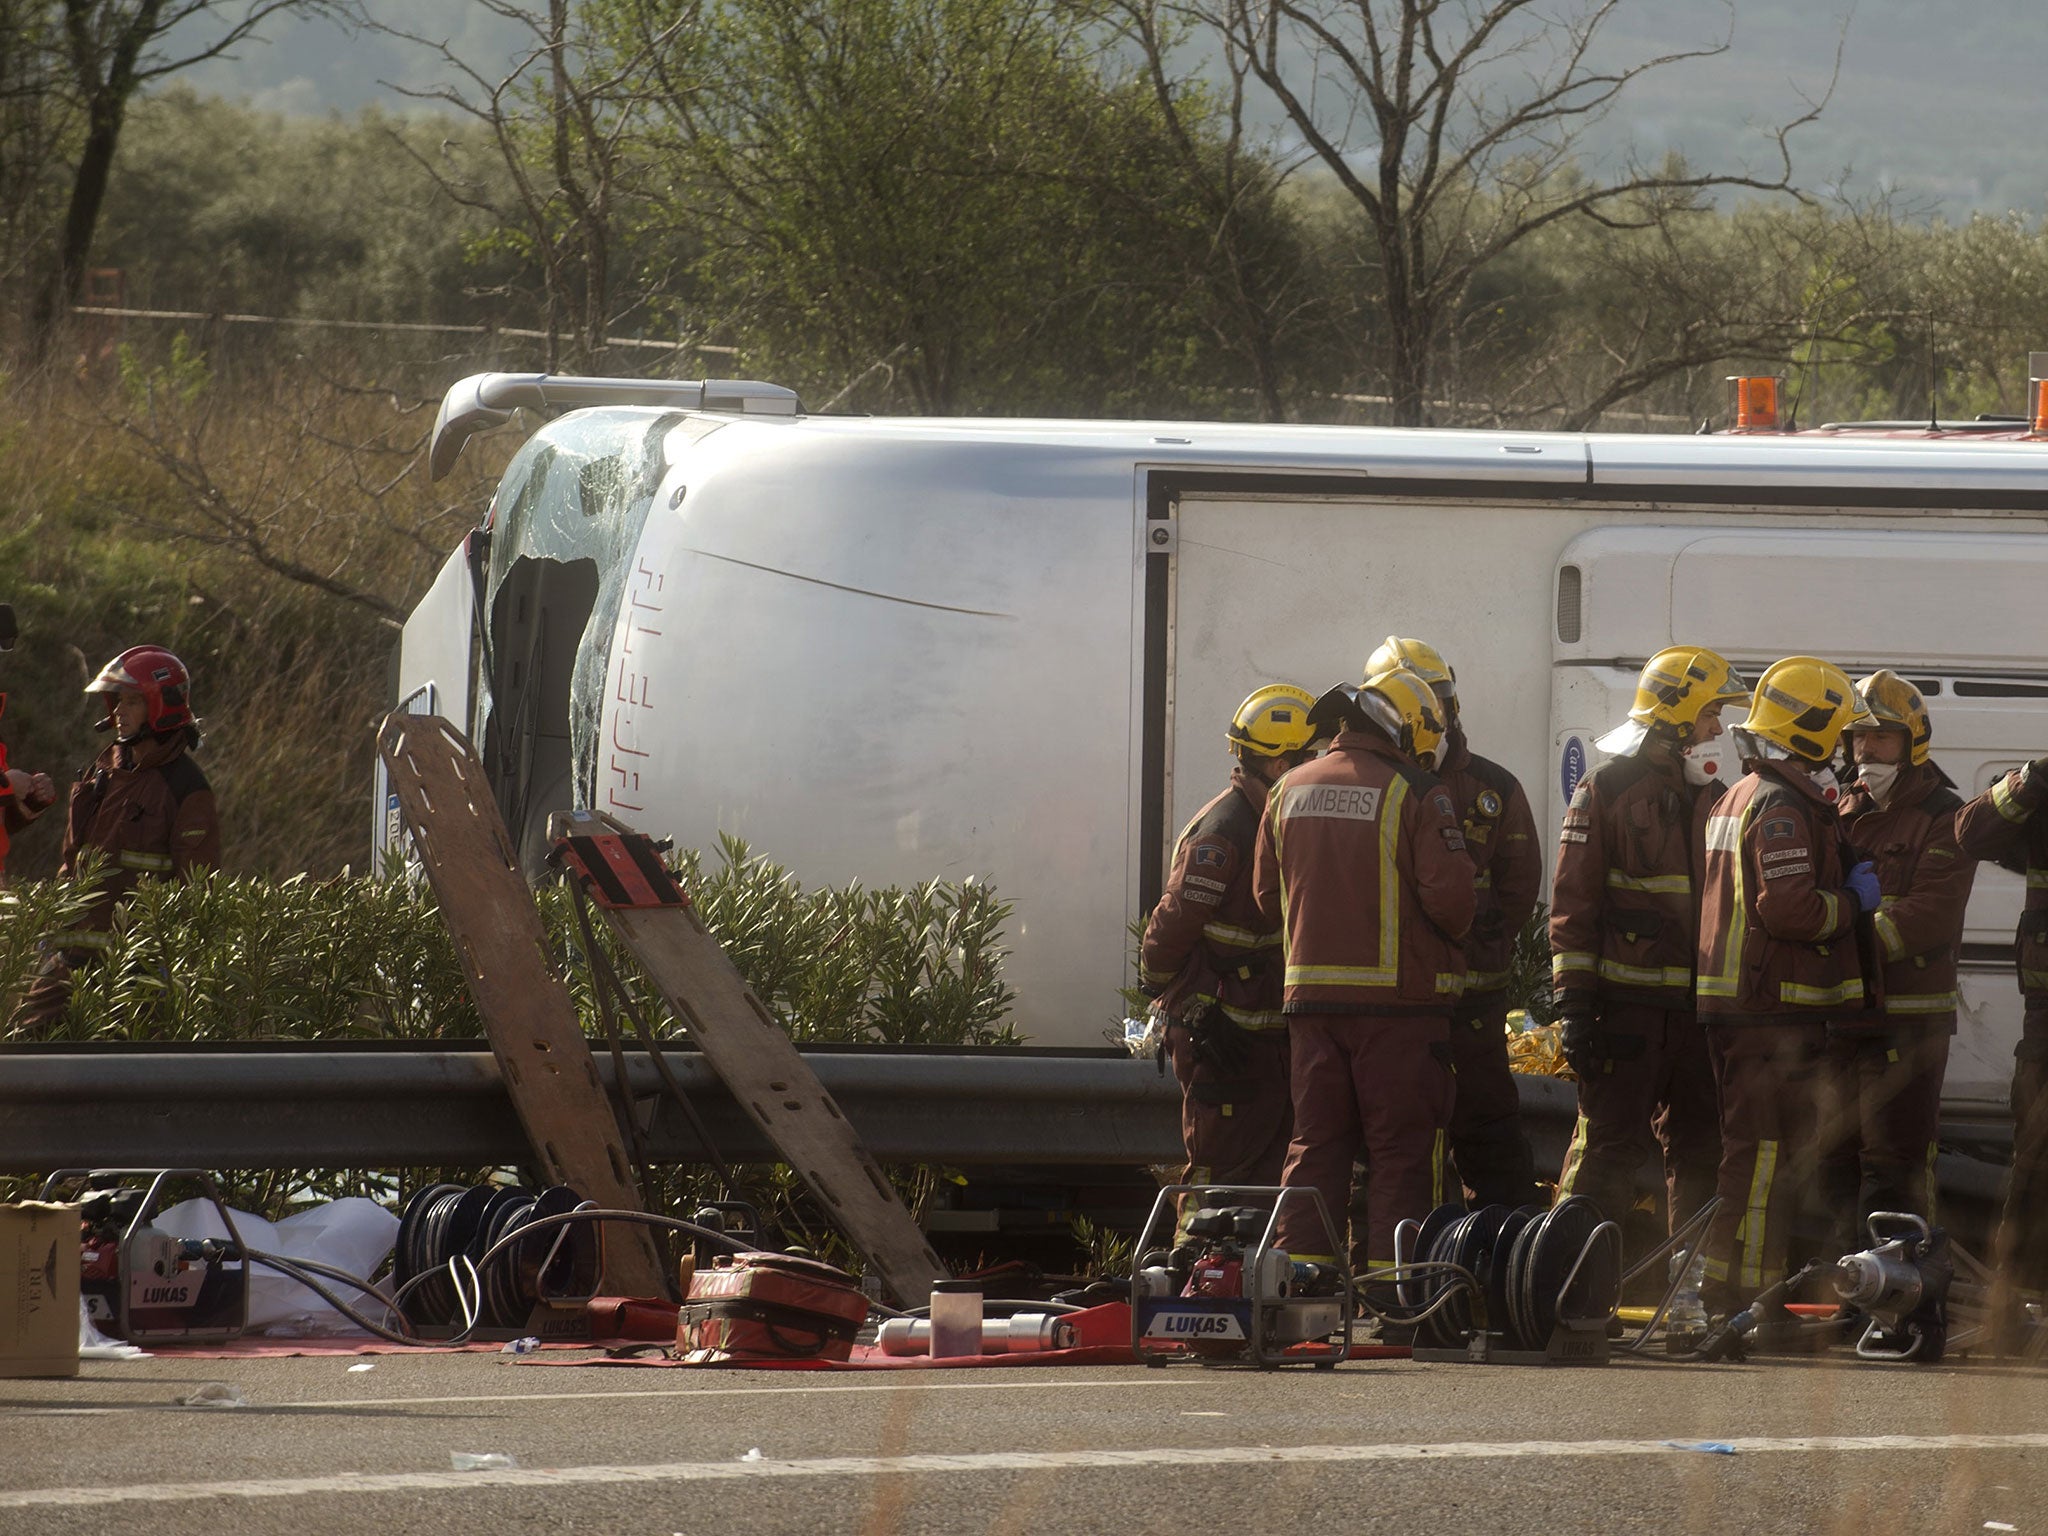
(1779, 829)
(1442, 803)
(1209, 853)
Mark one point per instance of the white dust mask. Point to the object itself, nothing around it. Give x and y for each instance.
(1827, 783)
(1881, 779)
(1706, 762)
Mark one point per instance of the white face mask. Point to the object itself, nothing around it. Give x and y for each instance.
(1825, 781)
(1881, 779)
(1705, 762)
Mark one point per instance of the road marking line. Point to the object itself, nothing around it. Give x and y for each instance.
(1185, 1380)
(983, 1461)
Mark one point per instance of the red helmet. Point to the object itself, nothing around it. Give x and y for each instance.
(158, 676)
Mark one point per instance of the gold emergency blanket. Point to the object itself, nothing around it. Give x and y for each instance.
(1537, 1049)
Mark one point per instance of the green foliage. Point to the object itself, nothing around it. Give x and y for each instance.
(236, 958)
(215, 205)
(1529, 968)
(178, 381)
(949, 201)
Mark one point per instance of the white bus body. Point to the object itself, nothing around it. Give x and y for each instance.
(886, 649)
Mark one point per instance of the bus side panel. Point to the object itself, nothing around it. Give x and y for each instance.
(887, 669)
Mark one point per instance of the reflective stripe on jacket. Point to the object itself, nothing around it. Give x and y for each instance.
(1624, 908)
(1500, 840)
(2009, 823)
(1777, 928)
(1205, 943)
(1926, 882)
(1362, 861)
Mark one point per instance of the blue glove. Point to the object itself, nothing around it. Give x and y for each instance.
(1863, 881)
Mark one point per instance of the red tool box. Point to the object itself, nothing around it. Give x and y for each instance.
(768, 1306)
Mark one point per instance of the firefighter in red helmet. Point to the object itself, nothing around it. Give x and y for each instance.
(143, 806)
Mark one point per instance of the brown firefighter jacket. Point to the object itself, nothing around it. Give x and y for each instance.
(1777, 926)
(1362, 860)
(1926, 882)
(1500, 840)
(148, 809)
(1205, 943)
(1624, 906)
(2009, 823)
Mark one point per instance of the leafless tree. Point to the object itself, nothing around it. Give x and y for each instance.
(316, 484)
(561, 123)
(1456, 128)
(1259, 298)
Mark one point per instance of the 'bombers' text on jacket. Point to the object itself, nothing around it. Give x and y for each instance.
(1362, 859)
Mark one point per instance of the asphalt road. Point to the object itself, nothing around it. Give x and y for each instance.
(1373, 1446)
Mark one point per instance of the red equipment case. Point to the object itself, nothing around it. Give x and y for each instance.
(769, 1306)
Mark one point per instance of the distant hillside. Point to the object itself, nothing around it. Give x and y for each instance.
(1939, 103)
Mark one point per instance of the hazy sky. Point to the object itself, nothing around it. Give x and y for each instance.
(1938, 101)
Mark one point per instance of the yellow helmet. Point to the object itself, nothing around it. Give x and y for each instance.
(1273, 721)
(1414, 706)
(1679, 682)
(1416, 656)
(1896, 704)
(1803, 704)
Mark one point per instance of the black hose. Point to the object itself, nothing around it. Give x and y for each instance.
(292, 1270)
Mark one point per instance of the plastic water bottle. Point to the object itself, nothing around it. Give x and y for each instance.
(1687, 1319)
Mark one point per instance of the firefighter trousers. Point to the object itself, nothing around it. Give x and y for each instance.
(1653, 1091)
(1380, 1084)
(1769, 1076)
(1880, 1118)
(1487, 1144)
(2023, 1234)
(1235, 1123)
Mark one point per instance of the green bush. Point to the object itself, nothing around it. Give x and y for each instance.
(237, 958)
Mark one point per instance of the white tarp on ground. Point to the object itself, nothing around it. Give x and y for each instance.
(353, 1235)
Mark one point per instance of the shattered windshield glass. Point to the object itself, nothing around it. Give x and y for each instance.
(580, 489)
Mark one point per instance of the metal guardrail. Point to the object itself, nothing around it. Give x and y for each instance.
(409, 1105)
(296, 1107)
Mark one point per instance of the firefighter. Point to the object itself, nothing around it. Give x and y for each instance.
(1624, 919)
(1777, 963)
(1881, 1098)
(1487, 1145)
(1362, 857)
(1214, 964)
(143, 805)
(2009, 823)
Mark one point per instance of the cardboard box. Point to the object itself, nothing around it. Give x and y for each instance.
(38, 1289)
